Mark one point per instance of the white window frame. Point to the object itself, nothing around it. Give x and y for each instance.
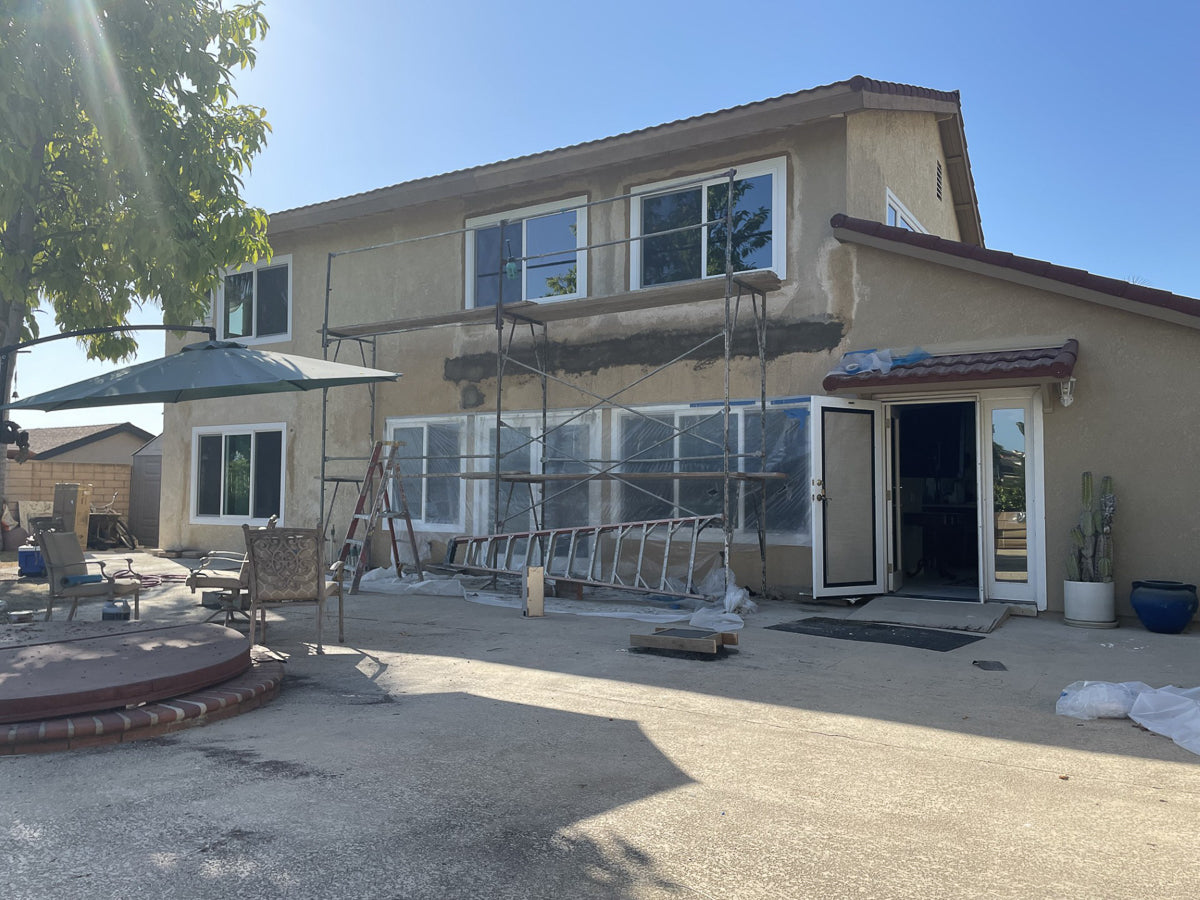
(737, 413)
(902, 214)
(218, 311)
(776, 168)
(224, 431)
(484, 492)
(464, 437)
(576, 204)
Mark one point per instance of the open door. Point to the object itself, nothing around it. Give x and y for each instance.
(848, 512)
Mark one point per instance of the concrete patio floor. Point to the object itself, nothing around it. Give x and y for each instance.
(454, 750)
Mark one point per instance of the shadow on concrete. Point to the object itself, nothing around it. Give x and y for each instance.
(890, 683)
(415, 796)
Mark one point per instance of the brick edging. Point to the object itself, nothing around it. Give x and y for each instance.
(250, 690)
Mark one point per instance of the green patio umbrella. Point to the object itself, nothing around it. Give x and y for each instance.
(200, 372)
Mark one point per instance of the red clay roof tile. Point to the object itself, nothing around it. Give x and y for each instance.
(998, 365)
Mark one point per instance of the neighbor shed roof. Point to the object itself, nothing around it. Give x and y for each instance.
(46, 443)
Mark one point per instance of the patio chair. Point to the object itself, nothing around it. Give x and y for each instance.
(227, 575)
(225, 572)
(68, 578)
(286, 566)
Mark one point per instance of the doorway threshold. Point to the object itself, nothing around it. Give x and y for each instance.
(952, 592)
(891, 609)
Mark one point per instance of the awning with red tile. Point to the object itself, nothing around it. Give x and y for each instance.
(958, 369)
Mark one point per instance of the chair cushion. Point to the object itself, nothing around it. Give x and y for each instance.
(72, 580)
(119, 588)
(205, 581)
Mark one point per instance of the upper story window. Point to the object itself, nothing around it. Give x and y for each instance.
(682, 225)
(254, 302)
(528, 254)
(899, 216)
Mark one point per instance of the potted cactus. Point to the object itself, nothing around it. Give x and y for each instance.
(1088, 595)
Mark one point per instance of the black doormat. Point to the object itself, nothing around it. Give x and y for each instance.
(878, 633)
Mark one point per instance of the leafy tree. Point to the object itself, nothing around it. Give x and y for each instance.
(564, 284)
(122, 151)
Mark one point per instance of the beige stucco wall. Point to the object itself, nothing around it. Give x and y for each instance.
(1134, 416)
(898, 151)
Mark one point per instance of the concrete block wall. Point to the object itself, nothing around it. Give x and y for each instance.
(35, 481)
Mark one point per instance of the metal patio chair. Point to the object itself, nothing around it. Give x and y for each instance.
(68, 578)
(286, 566)
(225, 572)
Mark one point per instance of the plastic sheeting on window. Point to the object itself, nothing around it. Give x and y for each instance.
(652, 446)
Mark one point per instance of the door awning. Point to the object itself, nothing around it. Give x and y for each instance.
(1031, 366)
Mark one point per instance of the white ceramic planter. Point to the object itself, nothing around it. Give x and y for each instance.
(1089, 604)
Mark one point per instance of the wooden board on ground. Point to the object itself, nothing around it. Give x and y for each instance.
(690, 640)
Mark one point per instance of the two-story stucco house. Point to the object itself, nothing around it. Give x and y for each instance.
(946, 462)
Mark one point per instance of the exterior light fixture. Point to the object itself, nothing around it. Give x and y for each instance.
(1066, 391)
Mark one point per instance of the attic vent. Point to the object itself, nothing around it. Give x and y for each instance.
(939, 179)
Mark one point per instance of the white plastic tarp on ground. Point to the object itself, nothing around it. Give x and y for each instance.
(721, 613)
(1170, 711)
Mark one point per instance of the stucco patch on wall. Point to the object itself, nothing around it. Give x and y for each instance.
(837, 271)
(653, 348)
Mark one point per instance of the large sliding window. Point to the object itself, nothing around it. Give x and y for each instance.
(683, 231)
(664, 441)
(237, 473)
(528, 254)
(686, 440)
(560, 502)
(254, 303)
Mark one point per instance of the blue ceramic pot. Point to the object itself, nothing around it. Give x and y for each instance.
(1164, 606)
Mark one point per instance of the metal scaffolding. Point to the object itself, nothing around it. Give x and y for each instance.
(522, 340)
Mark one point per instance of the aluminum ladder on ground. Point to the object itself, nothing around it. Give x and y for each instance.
(380, 480)
(634, 556)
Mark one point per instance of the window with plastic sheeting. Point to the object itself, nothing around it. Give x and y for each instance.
(686, 440)
(431, 465)
(537, 503)
(788, 506)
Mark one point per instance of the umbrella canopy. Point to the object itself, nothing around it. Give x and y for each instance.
(200, 372)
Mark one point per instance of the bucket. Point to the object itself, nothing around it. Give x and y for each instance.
(115, 612)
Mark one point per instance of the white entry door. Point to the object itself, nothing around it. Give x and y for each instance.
(848, 513)
(1012, 491)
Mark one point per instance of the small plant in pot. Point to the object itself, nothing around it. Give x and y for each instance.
(1088, 593)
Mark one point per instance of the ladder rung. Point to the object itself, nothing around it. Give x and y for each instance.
(381, 470)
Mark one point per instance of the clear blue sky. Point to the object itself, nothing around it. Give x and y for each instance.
(1081, 117)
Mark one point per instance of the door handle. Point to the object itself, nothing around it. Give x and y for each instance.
(819, 497)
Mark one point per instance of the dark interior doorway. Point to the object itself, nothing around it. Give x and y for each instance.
(939, 503)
